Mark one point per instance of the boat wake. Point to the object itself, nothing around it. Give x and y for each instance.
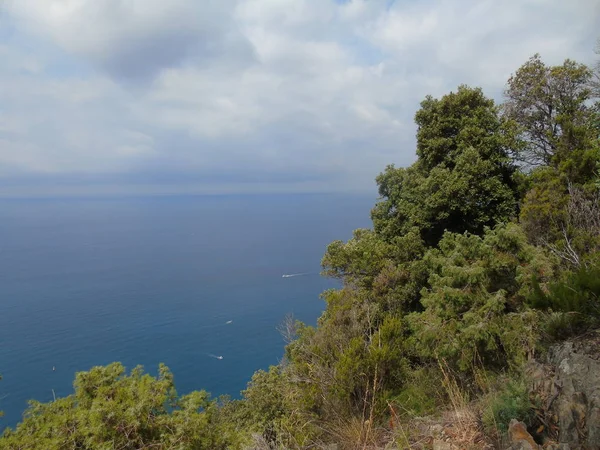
(215, 356)
(290, 275)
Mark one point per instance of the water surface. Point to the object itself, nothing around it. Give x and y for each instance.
(85, 282)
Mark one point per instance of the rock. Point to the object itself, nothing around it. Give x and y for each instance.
(436, 429)
(520, 437)
(557, 447)
(441, 445)
(576, 405)
(521, 446)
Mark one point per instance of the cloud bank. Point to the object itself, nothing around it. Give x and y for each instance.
(149, 96)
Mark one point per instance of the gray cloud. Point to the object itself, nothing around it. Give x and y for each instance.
(135, 39)
(249, 94)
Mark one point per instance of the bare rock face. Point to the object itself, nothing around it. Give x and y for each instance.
(577, 381)
(569, 385)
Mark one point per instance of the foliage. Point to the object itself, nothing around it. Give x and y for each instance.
(512, 402)
(544, 206)
(563, 217)
(463, 179)
(474, 306)
(355, 353)
(391, 270)
(276, 412)
(111, 409)
(551, 108)
(421, 395)
(574, 302)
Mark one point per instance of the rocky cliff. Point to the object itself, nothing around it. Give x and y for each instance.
(567, 388)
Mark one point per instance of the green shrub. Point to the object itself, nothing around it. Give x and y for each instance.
(421, 395)
(113, 409)
(512, 402)
(573, 303)
(474, 309)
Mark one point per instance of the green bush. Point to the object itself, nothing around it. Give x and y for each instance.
(421, 396)
(474, 309)
(113, 409)
(573, 303)
(512, 402)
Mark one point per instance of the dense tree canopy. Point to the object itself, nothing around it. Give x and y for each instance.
(463, 179)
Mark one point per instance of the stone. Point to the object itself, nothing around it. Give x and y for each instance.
(577, 404)
(442, 445)
(520, 437)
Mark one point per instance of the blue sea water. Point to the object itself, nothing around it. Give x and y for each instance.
(85, 282)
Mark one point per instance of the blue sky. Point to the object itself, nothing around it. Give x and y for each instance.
(136, 97)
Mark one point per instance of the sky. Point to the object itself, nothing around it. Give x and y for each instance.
(130, 97)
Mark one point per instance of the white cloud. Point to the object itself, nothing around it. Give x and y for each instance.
(282, 89)
(482, 42)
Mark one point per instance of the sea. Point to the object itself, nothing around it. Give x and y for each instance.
(195, 282)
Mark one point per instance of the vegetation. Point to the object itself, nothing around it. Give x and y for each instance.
(509, 402)
(463, 178)
(556, 123)
(111, 409)
(482, 253)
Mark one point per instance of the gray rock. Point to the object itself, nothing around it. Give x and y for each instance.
(577, 380)
(441, 445)
(558, 447)
(523, 445)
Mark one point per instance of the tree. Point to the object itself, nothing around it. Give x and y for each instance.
(111, 409)
(475, 305)
(551, 107)
(596, 78)
(563, 217)
(351, 361)
(463, 178)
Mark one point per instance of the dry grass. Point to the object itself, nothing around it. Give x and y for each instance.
(459, 426)
(357, 434)
(465, 422)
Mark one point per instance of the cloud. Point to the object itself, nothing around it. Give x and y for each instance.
(250, 94)
(133, 39)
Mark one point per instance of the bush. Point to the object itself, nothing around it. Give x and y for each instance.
(421, 396)
(573, 303)
(113, 409)
(512, 402)
(474, 309)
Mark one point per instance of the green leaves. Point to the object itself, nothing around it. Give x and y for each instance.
(552, 112)
(463, 179)
(111, 409)
(573, 302)
(454, 123)
(477, 291)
